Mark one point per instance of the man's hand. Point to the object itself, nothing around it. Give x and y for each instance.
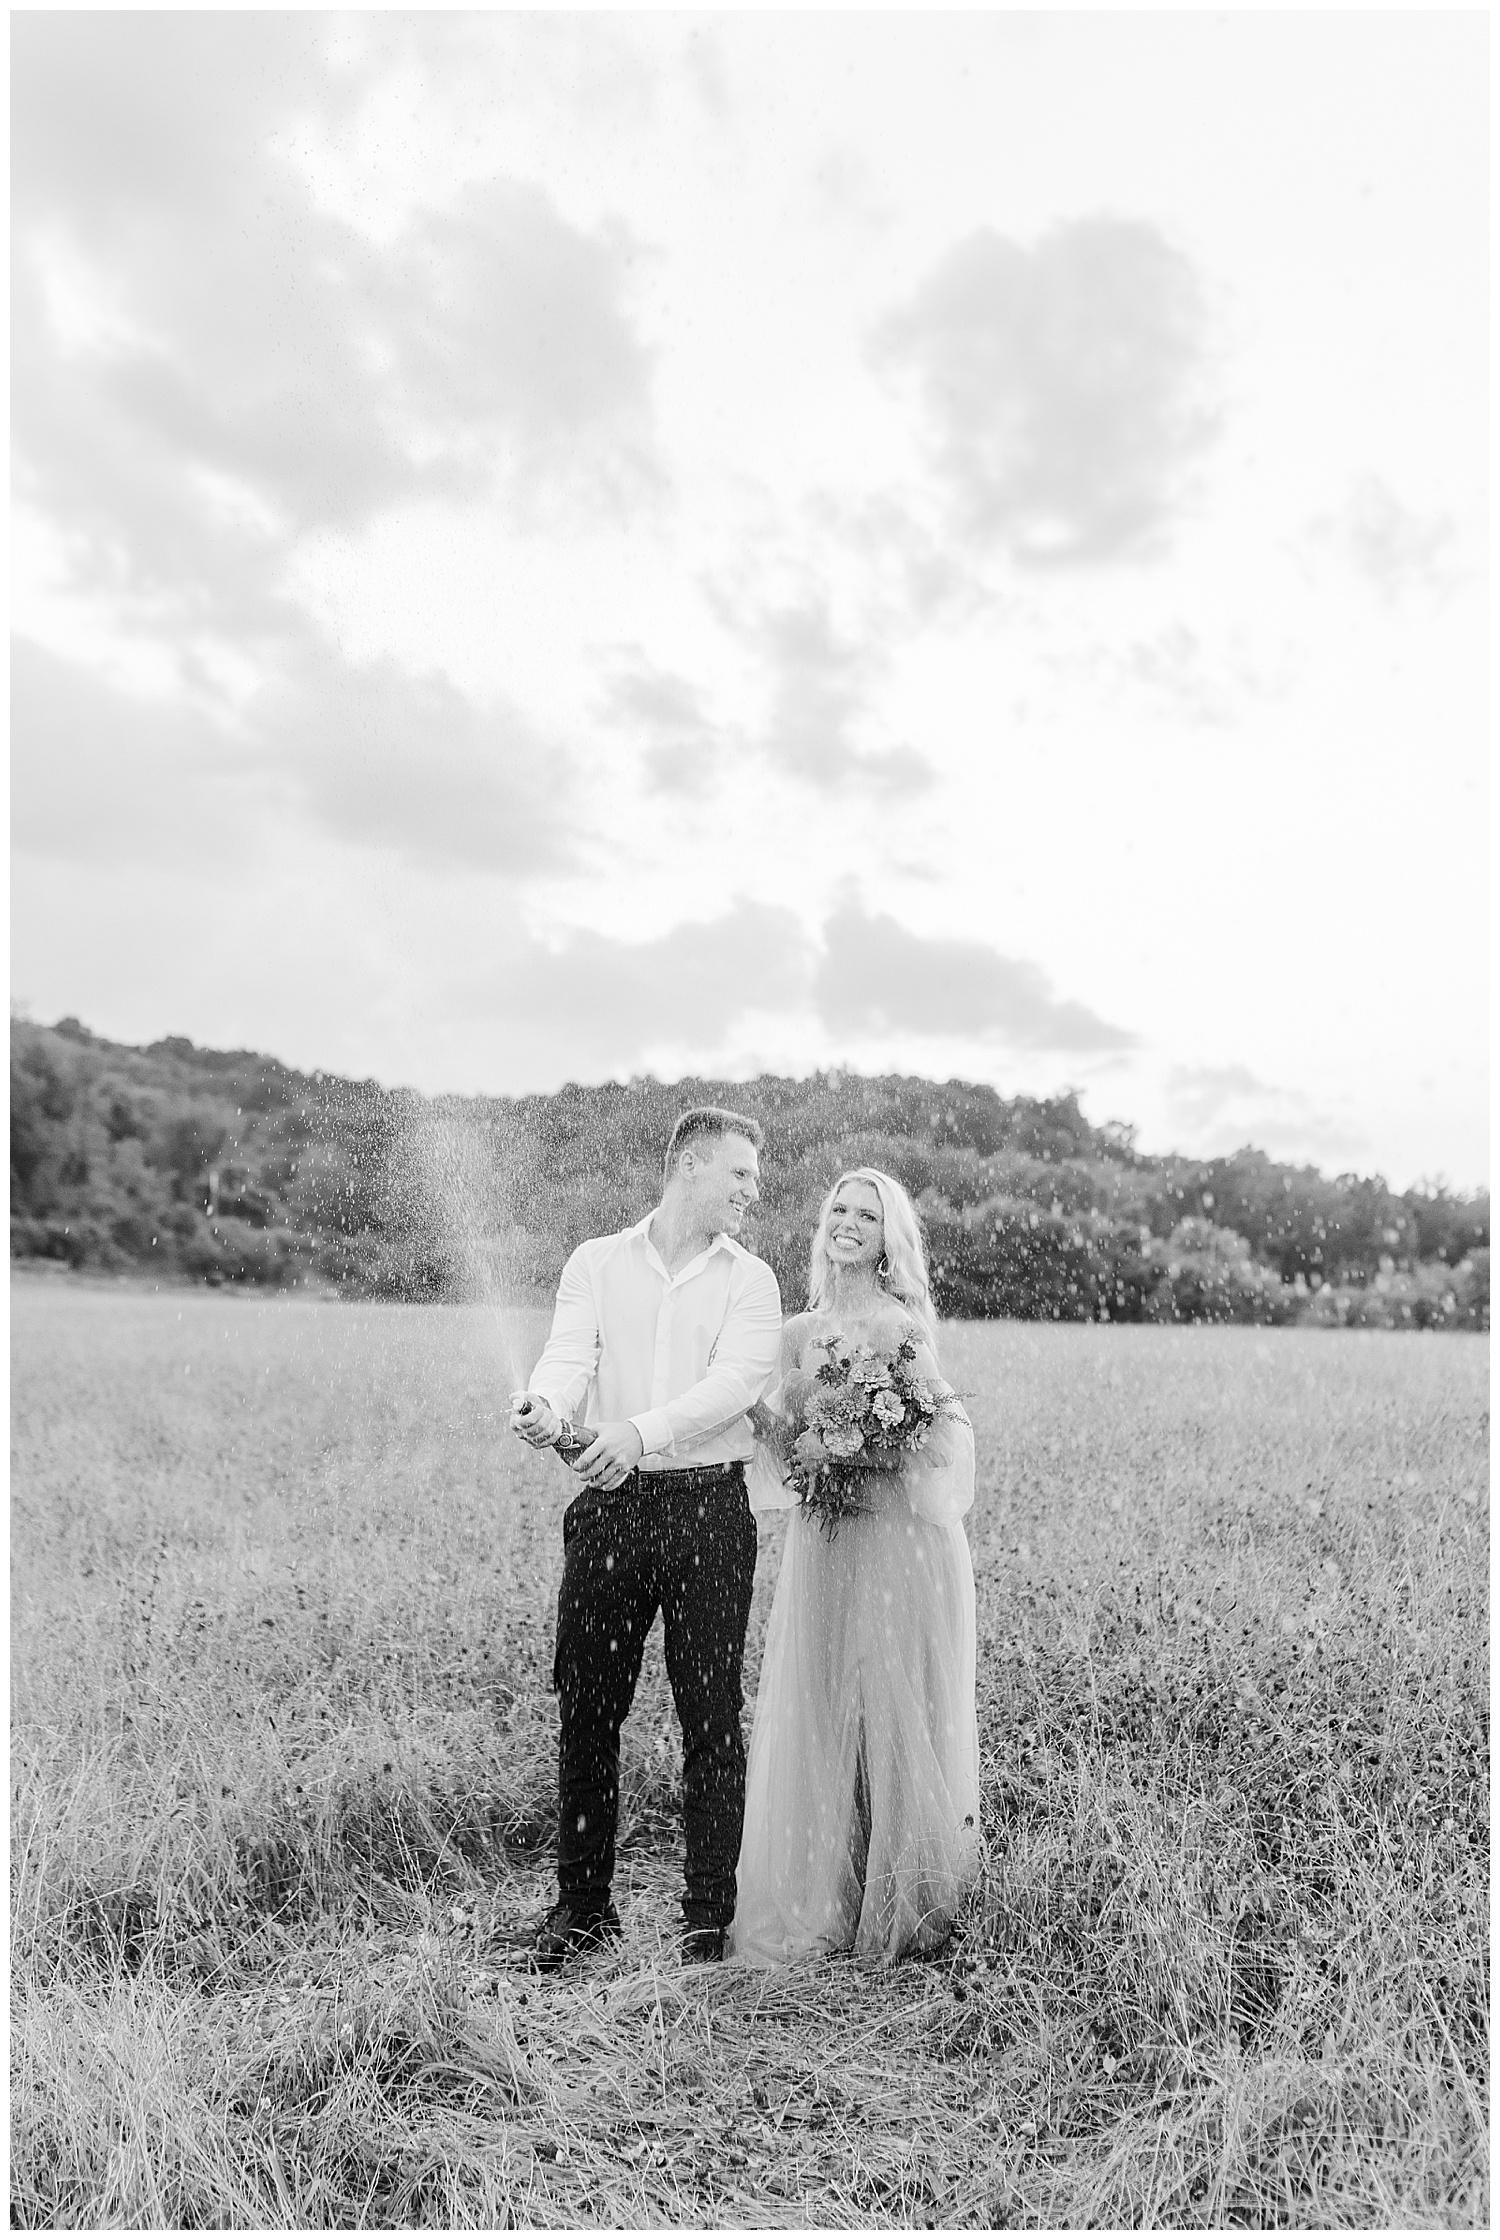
(532, 1419)
(614, 1453)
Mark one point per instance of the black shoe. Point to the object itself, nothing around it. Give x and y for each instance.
(571, 1927)
(702, 1944)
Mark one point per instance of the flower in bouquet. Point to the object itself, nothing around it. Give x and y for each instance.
(864, 1412)
(868, 1370)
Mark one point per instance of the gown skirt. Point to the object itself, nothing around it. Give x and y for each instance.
(862, 1788)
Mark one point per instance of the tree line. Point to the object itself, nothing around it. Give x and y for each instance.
(228, 1167)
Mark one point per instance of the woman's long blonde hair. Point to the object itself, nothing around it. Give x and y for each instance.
(903, 1272)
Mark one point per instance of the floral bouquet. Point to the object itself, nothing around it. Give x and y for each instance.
(865, 1410)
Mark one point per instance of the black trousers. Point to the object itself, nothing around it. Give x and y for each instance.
(682, 1543)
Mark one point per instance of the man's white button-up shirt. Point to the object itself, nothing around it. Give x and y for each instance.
(681, 1357)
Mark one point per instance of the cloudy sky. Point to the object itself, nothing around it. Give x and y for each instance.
(552, 547)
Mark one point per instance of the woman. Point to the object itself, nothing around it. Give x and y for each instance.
(862, 1793)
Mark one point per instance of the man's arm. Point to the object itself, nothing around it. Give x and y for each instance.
(744, 1359)
(571, 1354)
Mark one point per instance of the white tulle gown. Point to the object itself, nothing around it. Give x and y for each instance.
(862, 1790)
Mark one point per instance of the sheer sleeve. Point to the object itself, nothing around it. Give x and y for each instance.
(766, 1479)
(939, 1477)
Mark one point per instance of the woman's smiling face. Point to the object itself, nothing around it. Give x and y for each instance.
(854, 1233)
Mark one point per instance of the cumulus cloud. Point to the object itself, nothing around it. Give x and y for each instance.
(379, 757)
(610, 999)
(101, 776)
(683, 750)
(503, 320)
(1178, 670)
(1061, 385)
(1392, 547)
(924, 573)
(368, 755)
(208, 363)
(876, 976)
(820, 685)
(818, 706)
(1221, 1107)
(1210, 678)
(1201, 1093)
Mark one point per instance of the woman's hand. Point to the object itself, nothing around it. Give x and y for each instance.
(795, 1387)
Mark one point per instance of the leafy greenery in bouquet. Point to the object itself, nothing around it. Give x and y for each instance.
(865, 1411)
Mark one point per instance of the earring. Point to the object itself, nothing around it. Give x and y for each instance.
(884, 1268)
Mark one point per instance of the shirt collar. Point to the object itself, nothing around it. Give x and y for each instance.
(722, 1242)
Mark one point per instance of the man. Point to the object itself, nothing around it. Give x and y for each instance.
(671, 1331)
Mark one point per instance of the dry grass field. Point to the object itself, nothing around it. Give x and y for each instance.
(282, 1790)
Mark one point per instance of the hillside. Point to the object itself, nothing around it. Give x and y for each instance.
(226, 1166)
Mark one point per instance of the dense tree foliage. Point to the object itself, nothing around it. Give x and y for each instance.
(228, 1167)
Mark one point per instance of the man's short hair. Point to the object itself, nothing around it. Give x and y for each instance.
(709, 1120)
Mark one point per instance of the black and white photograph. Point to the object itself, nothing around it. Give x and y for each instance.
(749, 1117)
